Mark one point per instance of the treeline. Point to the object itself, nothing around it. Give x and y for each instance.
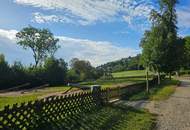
(53, 72)
(124, 64)
(47, 69)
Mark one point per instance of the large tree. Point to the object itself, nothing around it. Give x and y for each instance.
(55, 71)
(40, 41)
(165, 21)
(83, 68)
(160, 42)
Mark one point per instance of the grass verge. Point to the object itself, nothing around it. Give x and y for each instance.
(158, 92)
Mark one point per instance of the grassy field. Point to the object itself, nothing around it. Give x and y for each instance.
(161, 92)
(120, 78)
(131, 73)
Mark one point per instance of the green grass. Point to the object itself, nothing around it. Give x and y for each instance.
(114, 118)
(115, 82)
(10, 100)
(161, 92)
(120, 78)
(131, 73)
(31, 96)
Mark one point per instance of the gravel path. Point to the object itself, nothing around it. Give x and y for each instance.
(174, 113)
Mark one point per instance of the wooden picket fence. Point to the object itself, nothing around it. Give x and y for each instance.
(53, 112)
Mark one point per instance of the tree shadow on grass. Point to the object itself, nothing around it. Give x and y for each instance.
(110, 117)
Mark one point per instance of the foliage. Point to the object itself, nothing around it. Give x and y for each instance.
(4, 71)
(40, 41)
(187, 52)
(160, 42)
(73, 76)
(130, 63)
(55, 71)
(83, 70)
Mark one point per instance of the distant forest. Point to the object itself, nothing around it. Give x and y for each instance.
(130, 63)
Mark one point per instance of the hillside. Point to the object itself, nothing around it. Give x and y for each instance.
(124, 64)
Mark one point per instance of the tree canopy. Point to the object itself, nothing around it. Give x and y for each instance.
(161, 40)
(40, 41)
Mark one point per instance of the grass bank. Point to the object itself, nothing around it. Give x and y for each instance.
(158, 92)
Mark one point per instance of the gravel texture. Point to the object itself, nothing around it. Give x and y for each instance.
(174, 113)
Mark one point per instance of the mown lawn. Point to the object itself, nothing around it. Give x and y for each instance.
(30, 96)
(120, 78)
(158, 92)
(115, 82)
(131, 73)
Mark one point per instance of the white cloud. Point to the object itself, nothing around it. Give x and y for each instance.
(97, 52)
(91, 11)
(10, 34)
(184, 17)
(11, 50)
(41, 18)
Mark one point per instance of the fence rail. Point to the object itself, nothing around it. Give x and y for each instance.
(49, 112)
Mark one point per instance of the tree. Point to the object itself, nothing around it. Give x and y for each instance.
(40, 41)
(5, 71)
(18, 73)
(160, 42)
(72, 76)
(83, 68)
(187, 51)
(146, 57)
(164, 23)
(55, 71)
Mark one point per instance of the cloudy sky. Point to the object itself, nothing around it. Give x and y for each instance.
(94, 30)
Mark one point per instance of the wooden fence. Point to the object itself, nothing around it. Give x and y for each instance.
(54, 112)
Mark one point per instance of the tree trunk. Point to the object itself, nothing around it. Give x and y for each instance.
(177, 74)
(170, 76)
(36, 63)
(147, 82)
(158, 78)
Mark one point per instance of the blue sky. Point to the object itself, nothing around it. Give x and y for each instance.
(94, 30)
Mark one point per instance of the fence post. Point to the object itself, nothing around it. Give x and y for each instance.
(119, 95)
(107, 95)
(96, 91)
(38, 119)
